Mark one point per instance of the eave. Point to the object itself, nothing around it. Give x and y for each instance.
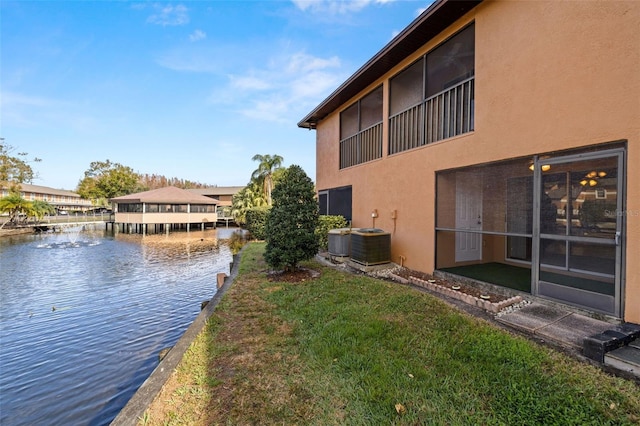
(429, 24)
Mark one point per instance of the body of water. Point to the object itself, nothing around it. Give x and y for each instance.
(83, 316)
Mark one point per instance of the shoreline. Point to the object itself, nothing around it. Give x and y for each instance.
(134, 409)
(18, 231)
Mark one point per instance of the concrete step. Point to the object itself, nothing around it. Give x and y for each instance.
(625, 358)
(598, 345)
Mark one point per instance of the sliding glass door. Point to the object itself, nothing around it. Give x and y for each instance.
(578, 222)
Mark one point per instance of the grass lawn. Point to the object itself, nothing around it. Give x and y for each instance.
(344, 349)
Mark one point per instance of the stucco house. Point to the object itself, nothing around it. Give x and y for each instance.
(499, 140)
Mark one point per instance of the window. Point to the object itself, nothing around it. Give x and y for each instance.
(361, 130)
(451, 63)
(335, 202)
(349, 125)
(130, 208)
(406, 109)
(203, 208)
(403, 88)
(433, 99)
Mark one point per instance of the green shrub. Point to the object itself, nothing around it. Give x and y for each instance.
(256, 221)
(292, 222)
(325, 224)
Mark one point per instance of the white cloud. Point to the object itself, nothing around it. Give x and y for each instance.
(302, 62)
(27, 111)
(335, 7)
(193, 59)
(259, 84)
(169, 15)
(20, 110)
(197, 35)
(282, 90)
(249, 83)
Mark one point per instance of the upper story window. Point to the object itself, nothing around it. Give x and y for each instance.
(433, 99)
(130, 208)
(451, 63)
(361, 130)
(203, 208)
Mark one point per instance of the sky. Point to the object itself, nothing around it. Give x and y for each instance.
(185, 89)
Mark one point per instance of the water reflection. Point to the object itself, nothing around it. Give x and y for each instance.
(83, 319)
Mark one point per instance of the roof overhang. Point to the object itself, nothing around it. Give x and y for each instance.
(429, 24)
(169, 195)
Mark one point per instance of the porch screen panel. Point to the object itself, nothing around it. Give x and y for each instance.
(361, 130)
(349, 122)
(519, 217)
(452, 62)
(371, 109)
(406, 125)
(433, 99)
(490, 205)
(371, 126)
(406, 88)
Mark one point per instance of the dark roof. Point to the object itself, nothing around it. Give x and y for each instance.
(169, 194)
(430, 23)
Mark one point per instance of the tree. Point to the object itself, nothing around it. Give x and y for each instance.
(264, 173)
(40, 208)
(104, 180)
(14, 170)
(14, 205)
(247, 198)
(291, 225)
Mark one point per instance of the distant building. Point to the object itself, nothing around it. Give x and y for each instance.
(63, 201)
(164, 209)
(223, 194)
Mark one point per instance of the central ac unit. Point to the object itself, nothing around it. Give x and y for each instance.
(340, 242)
(370, 246)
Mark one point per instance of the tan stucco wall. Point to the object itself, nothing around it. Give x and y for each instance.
(550, 75)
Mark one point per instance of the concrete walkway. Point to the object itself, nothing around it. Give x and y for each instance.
(612, 346)
(554, 324)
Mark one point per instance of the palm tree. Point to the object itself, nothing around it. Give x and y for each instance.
(245, 199)
(13, 204)
(264, 173)
(40, 208)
